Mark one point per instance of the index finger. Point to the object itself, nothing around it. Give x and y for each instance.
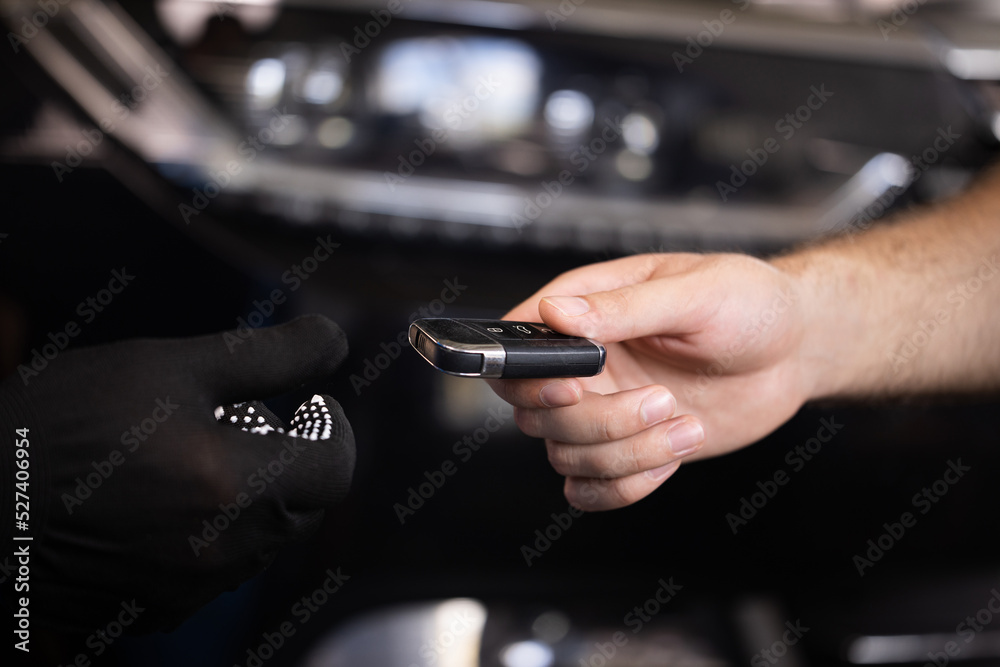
(600, 277)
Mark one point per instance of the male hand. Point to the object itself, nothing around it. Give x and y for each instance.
(713, 338)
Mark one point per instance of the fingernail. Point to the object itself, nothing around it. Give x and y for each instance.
(657, 407)
(557, 395)
(656, 474)
(571, 306)
(685, 438)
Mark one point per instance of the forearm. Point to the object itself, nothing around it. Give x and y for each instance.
(912, 306)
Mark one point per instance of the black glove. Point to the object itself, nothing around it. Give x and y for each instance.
(137, 492)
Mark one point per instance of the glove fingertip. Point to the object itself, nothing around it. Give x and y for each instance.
(272, 360)
(327, 340)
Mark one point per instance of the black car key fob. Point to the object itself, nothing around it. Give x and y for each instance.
(503, 349)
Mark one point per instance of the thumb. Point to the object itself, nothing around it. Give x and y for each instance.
(664, 306)
(270, 360)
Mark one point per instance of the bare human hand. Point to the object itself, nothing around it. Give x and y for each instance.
(715, 339)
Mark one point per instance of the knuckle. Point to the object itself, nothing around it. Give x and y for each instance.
(527, 420)
(616, 311)
(603, 428)
(584, 494)
(578, 498)
(570, 492)
(618, 301)
(615, 423)
(560, 457)
(629, 459)
(622, 492)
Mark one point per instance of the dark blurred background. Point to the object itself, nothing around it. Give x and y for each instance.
(207, 147)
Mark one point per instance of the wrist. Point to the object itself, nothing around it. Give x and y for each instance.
(829, 289)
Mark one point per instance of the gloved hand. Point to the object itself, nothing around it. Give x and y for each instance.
(137, 491)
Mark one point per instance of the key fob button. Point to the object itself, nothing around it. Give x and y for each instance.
(495, 330)
(538, 332)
